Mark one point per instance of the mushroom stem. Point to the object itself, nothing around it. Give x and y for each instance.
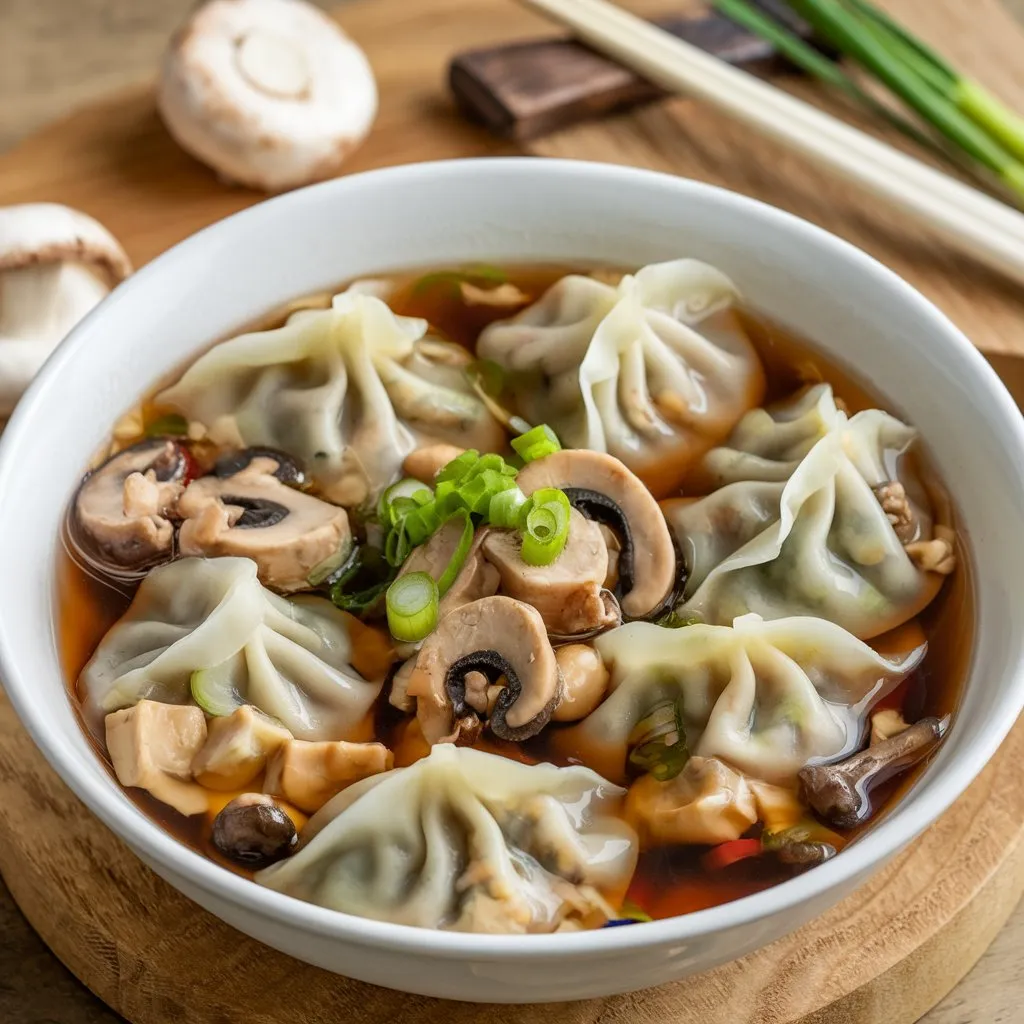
(840, 792)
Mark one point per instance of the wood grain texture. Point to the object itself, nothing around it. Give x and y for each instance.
(115, 160)
(527, 89)
(884, 956)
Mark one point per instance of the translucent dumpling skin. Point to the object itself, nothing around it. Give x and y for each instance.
(764, 697)
(654, 371)
(468, 841)
(816, 513)
(289, 658)
(350, 390)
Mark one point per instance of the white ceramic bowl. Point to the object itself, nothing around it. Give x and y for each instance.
(506, 211)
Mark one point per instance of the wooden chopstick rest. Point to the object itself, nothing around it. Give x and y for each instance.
(527, 89)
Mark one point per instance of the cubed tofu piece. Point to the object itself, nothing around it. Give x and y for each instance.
(308, 774)
(152, 745)
(237, 749)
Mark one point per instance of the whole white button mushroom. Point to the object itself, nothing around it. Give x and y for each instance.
(270, 93)
(56, 264)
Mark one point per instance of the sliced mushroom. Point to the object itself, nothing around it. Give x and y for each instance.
(120, 521)
(56, 264)
(496, 636)
(287, 468)
(706, 803)
(291, 536)
(269, 93)
(585, 679)
(569, 593)
(603, 489)
(841, 792)
(476, 579)
(254, 832)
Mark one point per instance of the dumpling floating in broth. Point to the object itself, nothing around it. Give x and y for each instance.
(206, 629)
(350, 390)
(764, 697)
(468, 841)
(820, 514)
(654, 370)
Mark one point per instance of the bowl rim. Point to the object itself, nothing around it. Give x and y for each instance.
(160, 848)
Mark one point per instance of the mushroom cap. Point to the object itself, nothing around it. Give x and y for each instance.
(33, 234)
(270, 93)
(252, 514)
(647, 564)
(504, 637)
(119, 521)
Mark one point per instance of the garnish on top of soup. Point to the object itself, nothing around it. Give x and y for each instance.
(515, 601)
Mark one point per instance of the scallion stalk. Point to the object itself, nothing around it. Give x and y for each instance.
(508, 508)
(412, 602)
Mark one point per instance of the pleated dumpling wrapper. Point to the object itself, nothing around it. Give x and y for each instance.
(350, 390)
(206, 630)
(765, 697)
(654, 370)
(815, 513)
(468, 841)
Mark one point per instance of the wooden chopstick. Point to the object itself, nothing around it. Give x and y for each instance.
(988, 230)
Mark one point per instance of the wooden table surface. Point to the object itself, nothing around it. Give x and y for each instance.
(54, 56)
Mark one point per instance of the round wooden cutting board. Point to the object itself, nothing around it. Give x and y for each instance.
(887, 954)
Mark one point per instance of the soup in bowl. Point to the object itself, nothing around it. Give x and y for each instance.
(530, 582)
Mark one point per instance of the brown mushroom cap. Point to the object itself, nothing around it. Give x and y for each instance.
(498, 637)
(602, 488)
(251, 514)
(119, 520)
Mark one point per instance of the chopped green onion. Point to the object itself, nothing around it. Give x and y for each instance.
(509, 508)
(547, 527)
(536, 443)
(458, 559)
(658, 742)
(421, 525)
(397, 545)
(478, 275)
(172, 424)
(458, 467)
(215, 689)
(405, 491)
(673, 620)
(412, 602)
(323, 571)
(362, 582)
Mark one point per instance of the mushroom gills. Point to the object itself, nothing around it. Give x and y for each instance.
(289, 470)
(495, 636)
(121, 521)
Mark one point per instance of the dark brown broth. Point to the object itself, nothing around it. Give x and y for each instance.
(668, 881)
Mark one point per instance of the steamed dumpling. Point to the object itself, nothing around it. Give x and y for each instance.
(467, 841)
(817, 513)
(289, 658)
(764, 697)
(351, 390)
(653, 371)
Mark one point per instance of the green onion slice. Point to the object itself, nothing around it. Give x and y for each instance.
(673, 620)
(481, 276)
(658, 741)
(407, 494)
(362, 582)
(458, 467)
(412, 602)
(546, 528)
(458, 559)
(536, 443)
(216, 689)
(323, 571)
(509, 509)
